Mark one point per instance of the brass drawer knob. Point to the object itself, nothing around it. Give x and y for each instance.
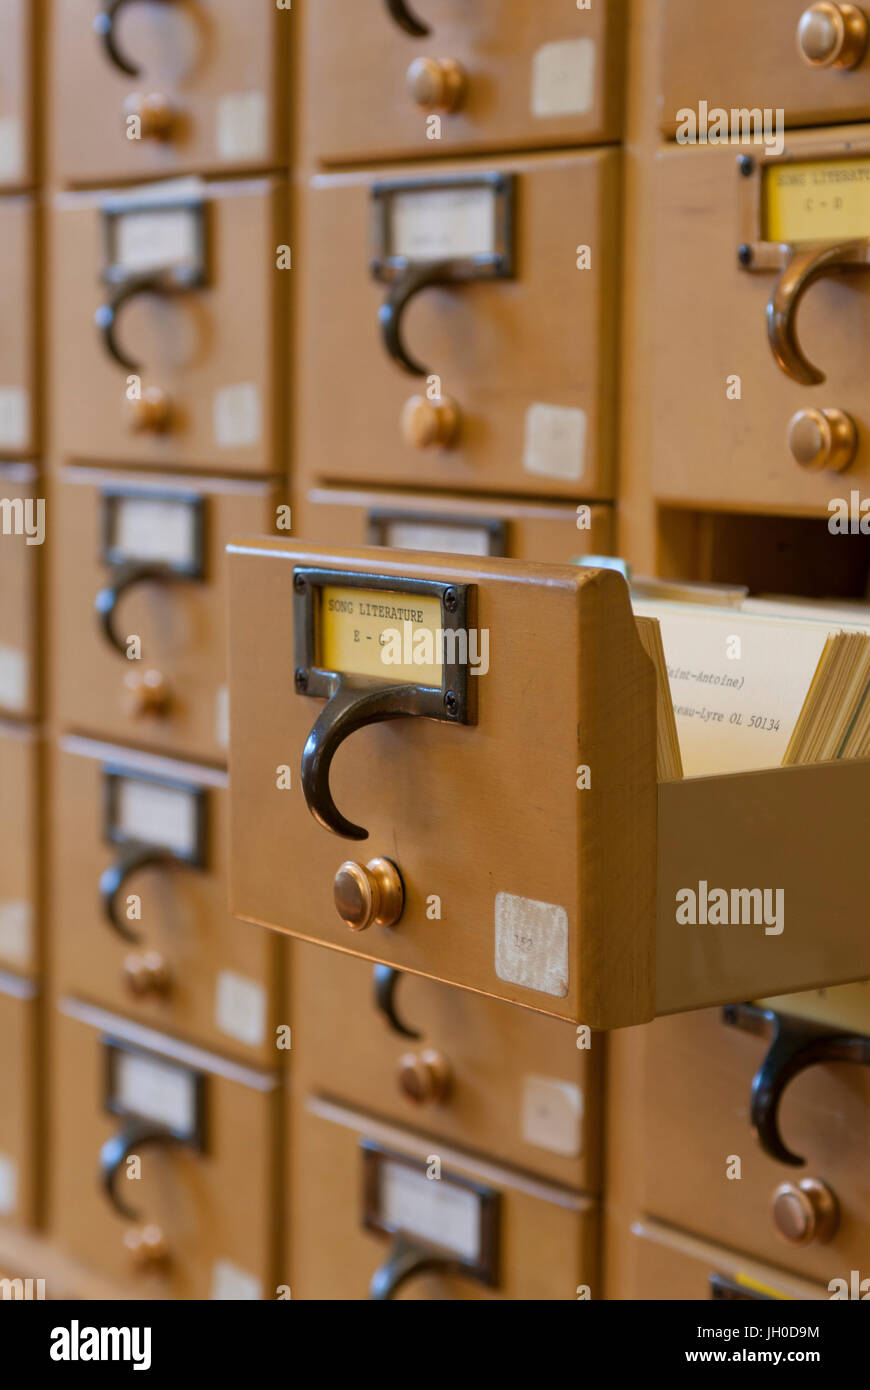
(154, 112)
(437, 84)
(832, 35)
(430, 424)
(823, 439)
(146, 1245)
(367, 893)
(146, 693)
(146, 974)
(806, 1213)
(424, 1077)
(151, 412)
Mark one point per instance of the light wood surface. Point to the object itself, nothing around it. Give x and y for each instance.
(20, 899)
(18, 25)
(18, 342)
(20, 1139)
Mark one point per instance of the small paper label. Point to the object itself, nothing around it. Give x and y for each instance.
(240, 1008)
(14, 417)
(555, 443)
(158, 239)
(14, 677)
(156, 1090)
(241, 125)
(8, 1184)
(553, 1115)
(158, 815)
(10, 148)
(222, 717)
(237, 416)
(531, 944)
(437, 536)
(16, 931)
(434, 223)
(155, 528)
(435, 1210)
(229, 1283)
(563, 78)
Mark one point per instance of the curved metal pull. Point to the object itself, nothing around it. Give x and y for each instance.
(348, 709)
(796, 1045)
(405, 1261)
(104, 27)
(113, 879)
(802, 271)
(401, 15)
(403, 289)
(125, 577)
(106, 317)
(113, 1155)
(385, 980)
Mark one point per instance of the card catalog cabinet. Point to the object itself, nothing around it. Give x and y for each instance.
(143, 557)
(195, 1218)
(19, 1149)
(515, 1085)
(415, 1219)
(167, 324)
(664, 1264)
(144, 90)
(140, 918)
(400, 78)
(457, 331)
(19, 834)
(17, 155)
(18, 340)
(23, 516)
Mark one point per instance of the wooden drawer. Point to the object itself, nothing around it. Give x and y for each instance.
(359, 1197)
(740, 55)
(147, 557)
(18, 342)
(17, 152)
(23, 536)
(19, 835)
(698, 1075)
(141, 923)
(709, 337)
(501, 1081)
(196, 1217)
(515, 79)
(479, 526)
(665, 1264)
(494, 363)
(19, 1150)
(185, 286)
(193, 87)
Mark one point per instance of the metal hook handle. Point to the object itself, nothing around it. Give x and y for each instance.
(106, 317)
(401, 15)
(125, 577)
(796, 1045)
(349, 709)
(385, 980)
(113, 879)
(802, 271)
(104, 27)
(403, 289)
(405, 1261)
(115, 1152)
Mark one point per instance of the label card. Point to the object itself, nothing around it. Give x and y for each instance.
(824, 201)
(563, 78)
(16, 931)
(11, 149)
(151, 1088)
(147, 811)
(153, 239)
(8, 1184)
(555, 442)
(240, 1008)
(14, 677)
(531, 944)
(433, 224)
(14, 417)
(447, 537)
(230, 1283)
(241, 125)
(237, 416)
(149, 527)
(553, 1115)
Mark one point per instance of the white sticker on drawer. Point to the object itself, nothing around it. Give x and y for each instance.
(14, 673)
(435, 1210)
(240, 1008)
(158, 815)
(432, 223)
(237, 416)
(222, 716)
(8, 1184)
(437, 536)
(156, 1090)
(153, 239)
(241, 125)
(10, 148)
(14, 417)
(555, 443)
(531, 944)
(563, 78)
(16, 931)
(155, 528)
(229, 1283)
(553, 1115)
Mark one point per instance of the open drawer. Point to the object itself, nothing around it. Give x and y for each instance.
(495, 779)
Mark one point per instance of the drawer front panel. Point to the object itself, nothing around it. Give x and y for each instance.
(670, 1265)
(18, 342)
(18, 1102)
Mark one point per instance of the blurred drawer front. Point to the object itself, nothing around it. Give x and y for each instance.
(19, 830)
(144, 557)
(16, 94)
(164, 89)
(698, 1076)
(668, 1265)
(142, 924)
(792, 55)
(22, 511)
(449, 339)
(195, 1217)
(480, 526)
(398, 79)
(502, 1081)
(167, 316)
(765, 387)
(18, 1081)
(415, 1220)
(18, 339)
